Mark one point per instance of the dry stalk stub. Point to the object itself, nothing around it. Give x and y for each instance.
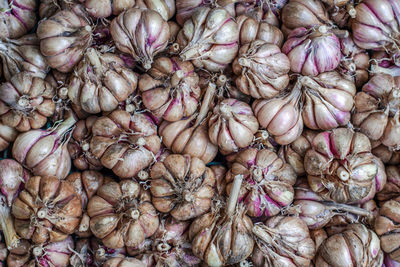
(220, 240)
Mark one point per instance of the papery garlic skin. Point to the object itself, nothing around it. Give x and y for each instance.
(328, 100)
(100, 82)
(312, 52)
(378, 109)
(170, 89)
(121, 214)
(392, 187)
(294, 152)
(187, 192)
(45, 152)
(23, 54)
(140, 33)
(376, 25)
(125, 143)
(281, 116)
(279, 245)
(12, 177)
(17, 18)
(355, 246)
(355, 62)
(48, 209)
(46, 254)
(190, 135)
(386, 227)
(185, 8)
(232, 125)
(209, 39)
(26, 102)
(63, 39)
(7, 136)
(303, 13)
(340, 167)
(268, 181)
(79, 146)
(251, 29)
(259, 73)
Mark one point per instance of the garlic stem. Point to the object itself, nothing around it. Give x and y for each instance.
(348, 208)
(226, 2)
(259, 232)
(65, 126)
(94, 59)
(206, 103)
(234, 195)
(7, 225)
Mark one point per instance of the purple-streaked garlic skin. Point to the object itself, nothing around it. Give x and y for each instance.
(268, 181)
(294, 153)
(17, 17)
(388, 262)
(355, 62)
(378, 109)
(251, 29)
(318, 213)
(63, 39)
(141, 34)
(22, 54)
(185, 9)
(376, 25)
(232, 125)
(176, 98)
(47, 254)
(210, 39)
(300, 13)
(45, 152)
(339, 160)
(101, 81)
(281, 116)
(12, 178)
(312, 52)
(190, 135)
(284, 241)
(328, 100)
(355, 244)
(122, 135)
